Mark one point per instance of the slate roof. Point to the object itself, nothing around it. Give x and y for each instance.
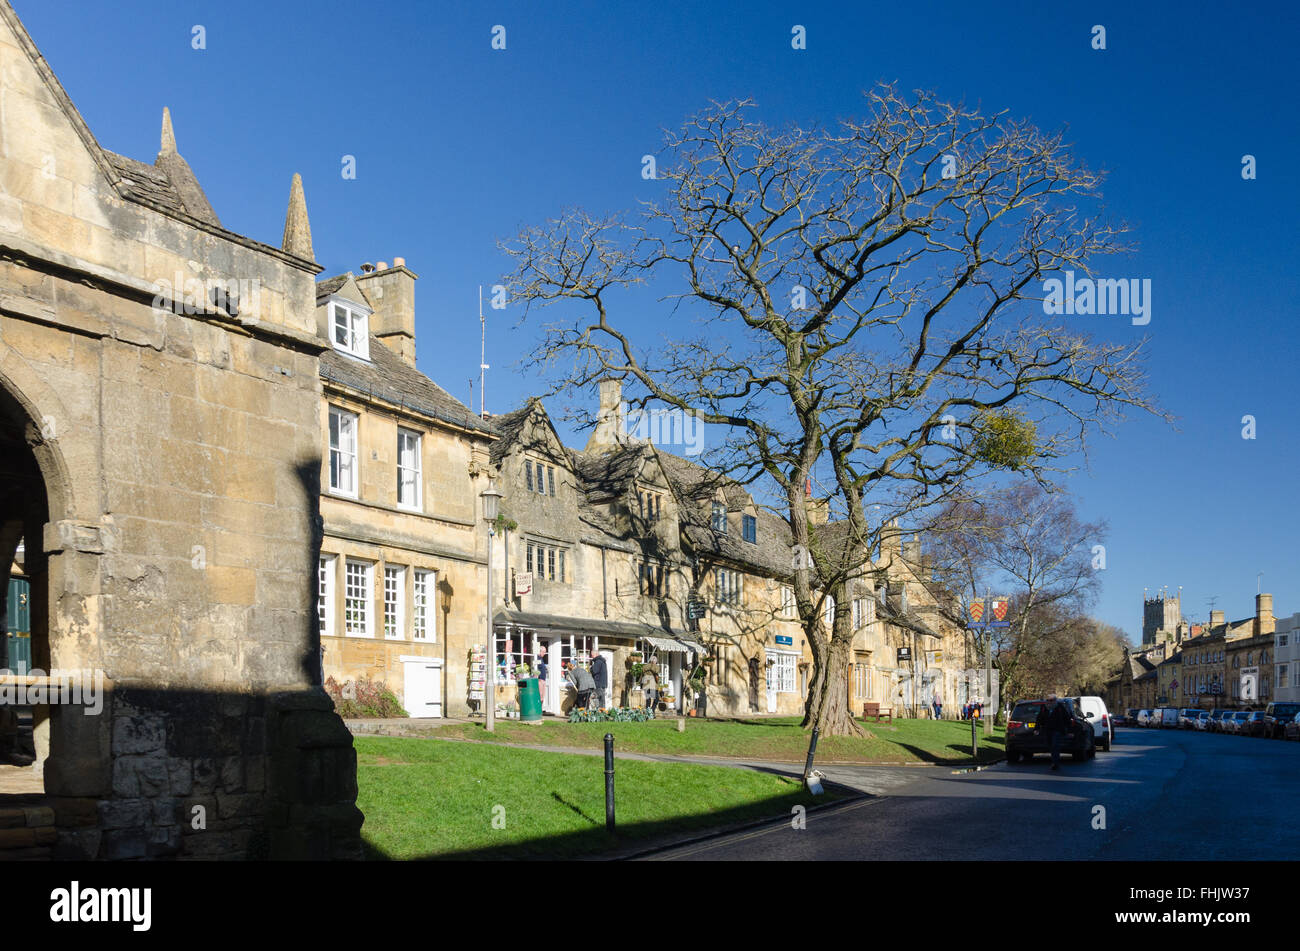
(331, 285)
(388, 378)
(509, 425)
(148, 183)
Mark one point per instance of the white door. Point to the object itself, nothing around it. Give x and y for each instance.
(612, 686)
(423, 688)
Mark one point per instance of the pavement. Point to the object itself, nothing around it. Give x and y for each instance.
(1164, 795)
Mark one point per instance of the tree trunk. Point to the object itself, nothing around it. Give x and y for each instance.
(832, 715)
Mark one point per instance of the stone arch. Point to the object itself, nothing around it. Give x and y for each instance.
(24, 513)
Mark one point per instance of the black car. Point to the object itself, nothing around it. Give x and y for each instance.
(1022, 741)
(1277, 715)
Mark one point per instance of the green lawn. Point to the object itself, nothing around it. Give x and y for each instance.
(779, 739)
(433, 799)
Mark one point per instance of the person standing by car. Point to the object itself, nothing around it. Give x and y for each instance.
(1055, 722)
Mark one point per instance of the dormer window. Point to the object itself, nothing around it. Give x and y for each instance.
(749, 528)
(350, 329)
(719, 520)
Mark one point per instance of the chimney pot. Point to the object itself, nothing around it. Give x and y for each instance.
(382, 266)
(399, 262)
(367, 268)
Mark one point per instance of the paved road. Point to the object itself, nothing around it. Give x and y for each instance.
(1168, 795)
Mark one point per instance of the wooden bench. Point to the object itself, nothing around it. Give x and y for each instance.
(873, 710)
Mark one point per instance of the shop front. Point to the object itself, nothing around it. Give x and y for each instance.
(532, 645)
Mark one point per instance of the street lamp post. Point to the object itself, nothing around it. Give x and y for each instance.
(491, 506)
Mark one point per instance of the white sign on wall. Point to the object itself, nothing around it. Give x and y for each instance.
(524, 583)
(1250, 683)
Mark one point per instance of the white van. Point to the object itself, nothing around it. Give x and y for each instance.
(1093, 709)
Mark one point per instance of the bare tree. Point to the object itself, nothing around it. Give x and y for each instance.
(1029, 544)
(869, 292)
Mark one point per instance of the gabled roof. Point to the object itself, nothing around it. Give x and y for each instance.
(168, 187)
(331, 286)
(510, 426)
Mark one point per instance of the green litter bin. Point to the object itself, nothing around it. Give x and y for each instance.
(530, 701)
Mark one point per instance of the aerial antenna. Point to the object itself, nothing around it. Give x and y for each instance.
(1259, 581)
(1212, 602)
(482, 362)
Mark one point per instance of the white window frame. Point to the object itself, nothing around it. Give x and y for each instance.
(356, 326)
(344, 452)
(782, 673)
(394, 618)
(326, 582)
(366, 601)
(404, 436)
(424, 617)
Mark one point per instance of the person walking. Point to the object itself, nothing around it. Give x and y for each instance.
(1054, 720)
(938, 705)
(650, 682)
(600, 675)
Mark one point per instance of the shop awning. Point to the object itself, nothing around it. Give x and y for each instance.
(663, 639)
(667, 645)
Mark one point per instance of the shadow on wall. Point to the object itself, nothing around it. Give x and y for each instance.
(193, 774)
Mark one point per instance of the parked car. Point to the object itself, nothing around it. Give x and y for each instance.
(1278, 714)
(1202, 720)
(1093, 709)
(1217, 716)
(1022, 741)
(1186, 716)
(1292, 730)
(1255, 724)
(1143, 718)
(1234, 721)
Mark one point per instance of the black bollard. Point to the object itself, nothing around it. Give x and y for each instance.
(974, 739)
(812, 751)
(609, 782)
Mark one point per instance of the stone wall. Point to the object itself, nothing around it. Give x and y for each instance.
(179, 445)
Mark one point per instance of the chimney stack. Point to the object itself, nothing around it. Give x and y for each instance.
(611, 419)
(1264, 623)
(1216, 618)
(390, 292)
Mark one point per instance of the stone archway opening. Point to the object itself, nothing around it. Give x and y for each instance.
(24, 599)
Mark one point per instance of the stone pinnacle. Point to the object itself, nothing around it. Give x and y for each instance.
(297, 229)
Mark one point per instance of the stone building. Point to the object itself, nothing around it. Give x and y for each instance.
(401, 576)
(1224, 663)
(159, 462)
(604, 549)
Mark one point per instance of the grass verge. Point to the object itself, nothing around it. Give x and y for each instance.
(431, 799)
(778, 739)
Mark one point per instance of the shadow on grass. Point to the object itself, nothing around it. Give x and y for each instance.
(574, 808)
(597, 843)
(960, 757)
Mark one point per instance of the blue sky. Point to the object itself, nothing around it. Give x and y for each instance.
(458, 145)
